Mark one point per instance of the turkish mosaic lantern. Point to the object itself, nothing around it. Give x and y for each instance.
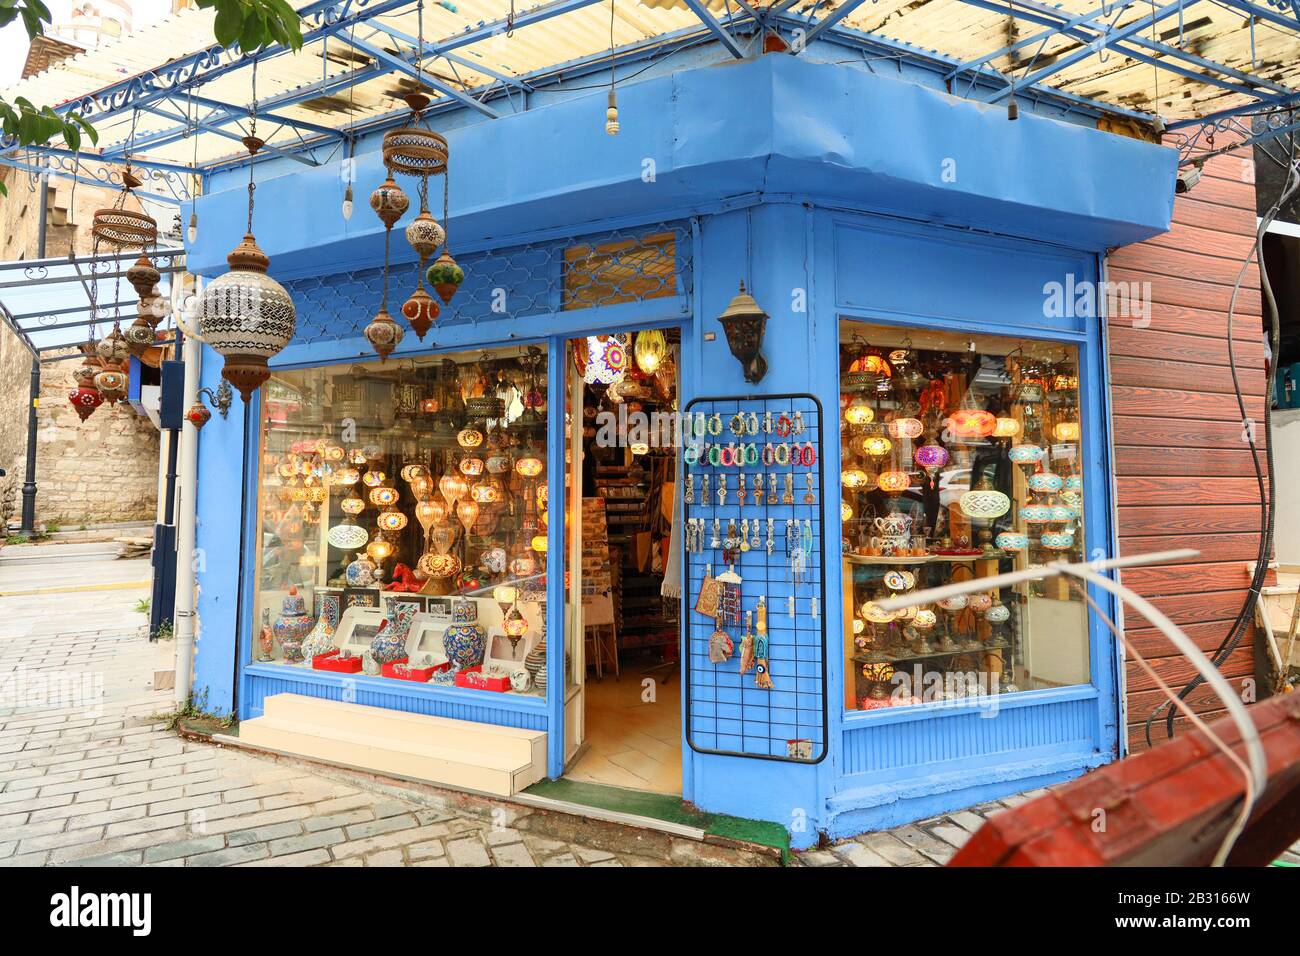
(905, 428)
(893, 482)
(416, 151)
(245, 315)
(139, 336)
(931, 458)
(446, 276)
(111, 384)
(198, 415)
(984, 502)
(972, 423)
(859, 411)
(85, 398)
(112, 348)
(651, 347)
(389, 203)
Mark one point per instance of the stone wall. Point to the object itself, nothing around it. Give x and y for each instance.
(105, 470)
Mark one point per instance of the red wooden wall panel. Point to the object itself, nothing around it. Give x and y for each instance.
(1184, 476)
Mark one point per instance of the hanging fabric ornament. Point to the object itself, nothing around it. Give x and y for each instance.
(245, 315)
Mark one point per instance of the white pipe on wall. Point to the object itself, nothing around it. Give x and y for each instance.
(186, 487)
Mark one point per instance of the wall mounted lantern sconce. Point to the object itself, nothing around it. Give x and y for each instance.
(198, 414)
(744, 322)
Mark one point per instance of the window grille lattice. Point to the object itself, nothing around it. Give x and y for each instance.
(609, 268)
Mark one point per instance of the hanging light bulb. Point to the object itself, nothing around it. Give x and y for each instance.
(611, 113)
(192, 233)
(347, 202)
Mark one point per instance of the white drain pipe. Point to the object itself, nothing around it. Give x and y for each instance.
(186, 518)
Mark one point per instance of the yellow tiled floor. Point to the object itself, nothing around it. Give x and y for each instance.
(631, 742)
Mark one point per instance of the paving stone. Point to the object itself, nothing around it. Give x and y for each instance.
(512, 854)
(589, 856)
(855, 854)
(229, 856)
(335, 820)
(502, 837)
(308, 841)
(307, 858)
(892, 849)
(820, 858)
(467, 852)
(264, 834)
(371, 828)
(123, 858)
(925, 843)
(563, 859)
(51, 841)
(426, 850)
(951, 834)
(183, 848)
(386, 858)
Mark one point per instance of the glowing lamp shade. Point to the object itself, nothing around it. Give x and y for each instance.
(1006, 428)
(877, 446)
(505, 594)
(539, 543)
(485, 493)
(905, 428)
(467, 512)
(352, 505)
(972, 423)
(391, 521)
(873, 613)
(854, 478)
(894, 482)
(931, 457)
(651, 347)
(984, 502)
(846, 511)
(380, 549)
(422, 487)
(530, 466)
(607, 360)
(1066, 431)
(471, 467)
(429, 513)
(515, 624)
(924, 619)
(374, 478)
(639, 448)
(469, 438)
(859, 412)
(345, 477)
(411, 472)
(452, 488)
(383, 497)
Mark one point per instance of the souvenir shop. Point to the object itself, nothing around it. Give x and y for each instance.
(630, 484)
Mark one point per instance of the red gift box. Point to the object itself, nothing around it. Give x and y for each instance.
(330, 661)
(472, 677)
(420, 674)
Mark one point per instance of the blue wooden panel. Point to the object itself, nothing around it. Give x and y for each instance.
(890, 268)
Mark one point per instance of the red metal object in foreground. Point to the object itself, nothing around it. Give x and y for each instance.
(1170, 806)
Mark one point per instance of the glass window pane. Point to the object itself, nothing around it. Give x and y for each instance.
(960, 460)
(402, 516)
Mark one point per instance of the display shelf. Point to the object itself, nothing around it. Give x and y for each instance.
(872, 559)
(891, 659)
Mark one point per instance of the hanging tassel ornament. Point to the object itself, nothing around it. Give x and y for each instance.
(762, 678)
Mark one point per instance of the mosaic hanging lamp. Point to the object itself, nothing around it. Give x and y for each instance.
(419, 152)
(390, 204)
(85, 398)
(245, 315)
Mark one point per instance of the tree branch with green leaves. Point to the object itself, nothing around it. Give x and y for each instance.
(248, 24)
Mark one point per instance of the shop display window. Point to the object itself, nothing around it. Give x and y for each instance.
(960, 460)
(402, 520)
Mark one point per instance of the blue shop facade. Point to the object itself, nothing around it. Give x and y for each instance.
(923, 416)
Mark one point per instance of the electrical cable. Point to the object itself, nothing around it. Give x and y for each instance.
(1266, 484)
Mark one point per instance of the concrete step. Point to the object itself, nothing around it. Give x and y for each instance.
(53, 552)
(438, 750)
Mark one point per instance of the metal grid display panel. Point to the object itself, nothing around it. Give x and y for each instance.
(726, 712)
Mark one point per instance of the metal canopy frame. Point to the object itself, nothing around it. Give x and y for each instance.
(176, 90)
(46, 302)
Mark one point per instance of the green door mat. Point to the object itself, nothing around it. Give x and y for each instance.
(670, 809)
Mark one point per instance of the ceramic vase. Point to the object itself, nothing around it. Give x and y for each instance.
(361, 572)
(321, 638)
(535, 664)
(465, 641)
(390, 643)
(292, 626)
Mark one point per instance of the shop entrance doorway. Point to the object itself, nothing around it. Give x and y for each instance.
(622, 600)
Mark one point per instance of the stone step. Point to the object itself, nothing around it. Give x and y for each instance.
(401, 727)
(56, 553)
(452, 753)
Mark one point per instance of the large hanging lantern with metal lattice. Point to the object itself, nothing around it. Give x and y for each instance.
(245, 315)
(124, 228)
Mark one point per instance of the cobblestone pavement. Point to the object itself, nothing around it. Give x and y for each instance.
(88, 776)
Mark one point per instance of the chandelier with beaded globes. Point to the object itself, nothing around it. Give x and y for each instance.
(414, 150)
(245, 315)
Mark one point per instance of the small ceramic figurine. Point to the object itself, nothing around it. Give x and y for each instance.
(266, 639)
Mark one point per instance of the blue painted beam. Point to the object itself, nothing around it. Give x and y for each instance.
(725, 38)
(1224, 114)
(464, 61)
(399, 64)
(1097, 45)
(1045, 15)
(1264, 13)
(84, 180)
(832, 18)
(1081, 20)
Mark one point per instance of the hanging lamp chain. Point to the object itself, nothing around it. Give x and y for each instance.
(252, 143)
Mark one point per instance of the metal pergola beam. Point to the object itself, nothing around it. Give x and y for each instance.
(1264, 13)
(399, 64)
(24, 167)
(828, 21)
(702, 13)
(1097, 45)
(464, 61)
